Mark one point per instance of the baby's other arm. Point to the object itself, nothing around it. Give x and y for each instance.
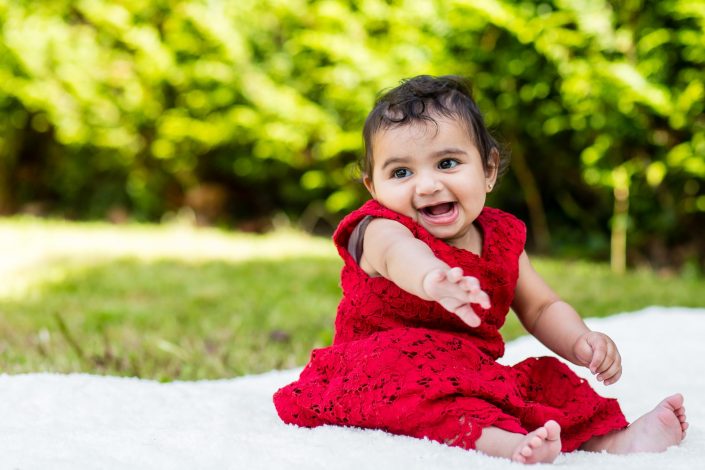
(391, 250)
(559, 327)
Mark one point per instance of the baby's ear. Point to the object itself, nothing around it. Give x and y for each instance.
(492, 166)
(367, 181)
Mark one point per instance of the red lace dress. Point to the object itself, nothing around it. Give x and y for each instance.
(408, 366)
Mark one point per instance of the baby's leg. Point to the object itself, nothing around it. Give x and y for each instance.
(657, 430)
(539, 446)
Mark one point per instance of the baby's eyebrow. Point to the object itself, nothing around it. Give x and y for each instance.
(393, 160)
(449, 151)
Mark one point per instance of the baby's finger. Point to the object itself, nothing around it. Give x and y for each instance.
(475, 295)
(468, 315)
(450, 303)
(611, 356)
(615, 362)
(613, 379)
(599, 351)
(470, 284)
(604, 366)
(454, 274)
(612, 375)
(608, 375)
(603, 369)
(481, 298)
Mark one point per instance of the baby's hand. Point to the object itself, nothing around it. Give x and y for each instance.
(455, 292)
(597, 352)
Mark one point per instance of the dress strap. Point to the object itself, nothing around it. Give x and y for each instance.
(357, 237)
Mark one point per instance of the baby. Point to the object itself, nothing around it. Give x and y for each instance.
(430, 274)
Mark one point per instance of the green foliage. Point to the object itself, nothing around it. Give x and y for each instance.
(141, 104)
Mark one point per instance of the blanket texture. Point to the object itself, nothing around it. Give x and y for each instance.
(85, 421)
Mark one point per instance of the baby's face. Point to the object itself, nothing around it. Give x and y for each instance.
(434, 175)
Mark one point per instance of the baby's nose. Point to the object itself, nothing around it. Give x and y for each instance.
(427, 184)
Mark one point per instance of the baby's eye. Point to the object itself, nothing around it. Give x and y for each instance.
(400, 173)
(447, 164)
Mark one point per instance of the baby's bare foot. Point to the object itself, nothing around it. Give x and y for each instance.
(540, 446)
(657, 430)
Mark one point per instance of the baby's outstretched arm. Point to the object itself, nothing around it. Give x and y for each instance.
(390, 250)
(559, 327)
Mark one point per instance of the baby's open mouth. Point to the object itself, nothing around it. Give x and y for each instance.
(438, 209)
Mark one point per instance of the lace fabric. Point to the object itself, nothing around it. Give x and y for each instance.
(408, 366)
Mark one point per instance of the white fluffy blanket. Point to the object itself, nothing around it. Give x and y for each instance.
(85, 421)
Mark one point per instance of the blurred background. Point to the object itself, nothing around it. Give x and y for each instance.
(247, 114)
(163, 164)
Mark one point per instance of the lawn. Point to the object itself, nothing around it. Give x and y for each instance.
(172, 302)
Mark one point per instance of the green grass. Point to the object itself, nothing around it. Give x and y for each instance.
(595, 291)
(170, 302)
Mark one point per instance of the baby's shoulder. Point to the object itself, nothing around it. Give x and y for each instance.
(503, 227)
(370, 210)
(497, 218)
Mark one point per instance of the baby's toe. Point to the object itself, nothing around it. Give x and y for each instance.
(535, 442)
(541, 433)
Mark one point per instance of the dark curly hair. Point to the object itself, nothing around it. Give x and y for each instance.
(418, 99)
